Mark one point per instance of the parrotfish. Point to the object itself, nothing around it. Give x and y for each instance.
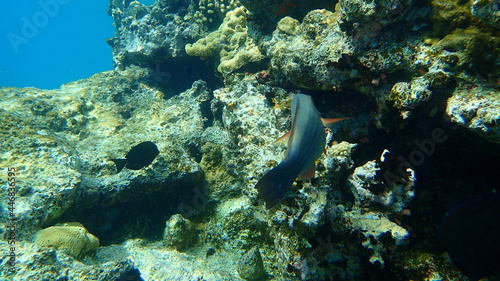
(306, 142)
(138, 157)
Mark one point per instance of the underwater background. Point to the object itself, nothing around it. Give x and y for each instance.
(134, 135)
(65, 45)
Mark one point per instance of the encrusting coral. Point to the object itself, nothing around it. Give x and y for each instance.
(308, 53)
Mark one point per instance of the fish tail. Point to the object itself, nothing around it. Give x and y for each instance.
(120, 163)
(274, 185)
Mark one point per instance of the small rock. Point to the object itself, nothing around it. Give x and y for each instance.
(250, 266)
(179, 232)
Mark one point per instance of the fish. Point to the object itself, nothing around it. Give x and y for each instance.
(470, 233)
(306, 142)
(138, 157)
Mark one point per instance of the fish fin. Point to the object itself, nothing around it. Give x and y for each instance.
(283, 137)
(330, 121)
(274, 185)
(120, 163)
(308, 173)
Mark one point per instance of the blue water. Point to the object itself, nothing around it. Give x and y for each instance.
(50, 42)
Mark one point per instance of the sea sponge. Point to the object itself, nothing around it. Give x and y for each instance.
(230, 42)
(72, 238)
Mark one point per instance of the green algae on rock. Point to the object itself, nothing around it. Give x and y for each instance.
(37, 141)
(449, 15)
(218, 163)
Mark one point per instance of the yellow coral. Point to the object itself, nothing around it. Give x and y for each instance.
(288, 25)
(230, 42)
(72, 238)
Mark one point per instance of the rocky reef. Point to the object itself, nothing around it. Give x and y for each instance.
(210, 84)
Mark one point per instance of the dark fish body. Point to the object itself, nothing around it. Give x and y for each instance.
(306, 143)
(471, 235)
(138, 157)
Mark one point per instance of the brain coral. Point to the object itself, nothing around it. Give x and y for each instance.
(72, 238)
(230, 42)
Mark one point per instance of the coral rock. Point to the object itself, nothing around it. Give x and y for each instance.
(308, 54)
(72, 238)
(250, 267)
(179, 232)
(477, 109)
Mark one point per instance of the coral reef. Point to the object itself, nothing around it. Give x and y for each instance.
(426, 266)
(268, 12)
(75, 136)
(476, 108)
(49, 264)
(385, 11)
(155, 262)
(231, 43)
(228, 139)
(410, 94)
(308, 54)
(374, 226)
(396, 68)
(72, 238)
(213, 11)
(365, 177)
(242, 114)
(145, 34)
